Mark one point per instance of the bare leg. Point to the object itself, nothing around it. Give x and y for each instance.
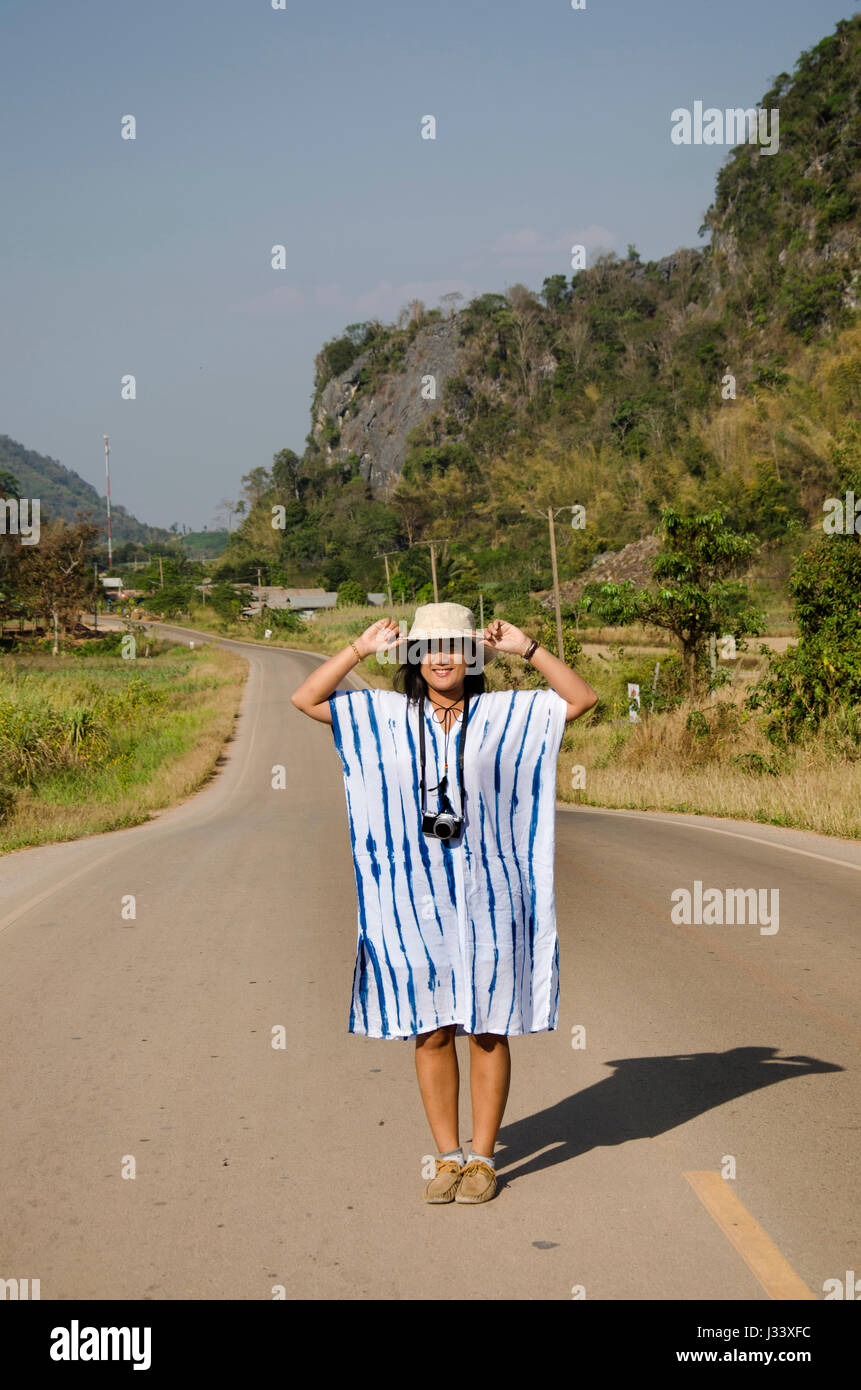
(489, 1080)
(439, 1080)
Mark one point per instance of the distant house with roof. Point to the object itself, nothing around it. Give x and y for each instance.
(303, 601)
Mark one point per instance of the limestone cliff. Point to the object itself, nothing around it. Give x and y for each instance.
(376, 427)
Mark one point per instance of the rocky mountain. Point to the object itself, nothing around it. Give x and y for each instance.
(649, 341)
(376, 426)
(727, 375)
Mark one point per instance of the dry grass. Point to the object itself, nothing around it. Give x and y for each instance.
(727, 768)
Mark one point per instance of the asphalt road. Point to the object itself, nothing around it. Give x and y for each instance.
(148, 1041)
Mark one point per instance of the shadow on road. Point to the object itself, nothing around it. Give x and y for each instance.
(645, 1096)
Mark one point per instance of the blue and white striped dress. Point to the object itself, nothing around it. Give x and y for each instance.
(459, 933)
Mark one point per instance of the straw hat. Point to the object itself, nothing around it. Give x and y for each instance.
(438, 620)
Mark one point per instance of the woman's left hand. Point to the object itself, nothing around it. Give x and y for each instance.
(505, 637)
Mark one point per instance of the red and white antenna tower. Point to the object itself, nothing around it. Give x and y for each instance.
(108, 496)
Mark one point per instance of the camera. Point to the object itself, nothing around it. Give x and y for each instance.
(443, 824)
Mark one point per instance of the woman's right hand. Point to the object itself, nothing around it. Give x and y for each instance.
(384, 633)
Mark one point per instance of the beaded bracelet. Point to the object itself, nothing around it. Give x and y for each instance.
(356, 650)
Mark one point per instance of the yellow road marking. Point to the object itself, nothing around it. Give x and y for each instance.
(758, 1251)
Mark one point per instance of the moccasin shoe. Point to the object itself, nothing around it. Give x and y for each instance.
(444, 1185)
(477, 1183)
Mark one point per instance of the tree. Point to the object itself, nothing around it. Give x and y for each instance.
(255, 485)
(556, 292)
(410, 501)
(173, 570)
(573, 338)
(225, 601)
(171, 601)
(57, 574)
(462, 583)
(803, 685)
(698, 593)
(521, 327)
(286, 473)
(10, 554)
(351, 593)
(227, 510)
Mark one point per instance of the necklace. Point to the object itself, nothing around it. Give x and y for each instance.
(444, 707)
(441, 786)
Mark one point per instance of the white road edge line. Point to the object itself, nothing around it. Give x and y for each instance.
(715, 830)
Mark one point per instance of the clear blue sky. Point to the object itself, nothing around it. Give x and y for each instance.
(302, 126)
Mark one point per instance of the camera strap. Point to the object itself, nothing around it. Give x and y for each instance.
(461, 742)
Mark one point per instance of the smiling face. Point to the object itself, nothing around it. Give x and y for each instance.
(444, 669)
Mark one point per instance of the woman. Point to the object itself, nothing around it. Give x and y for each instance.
(451, 795)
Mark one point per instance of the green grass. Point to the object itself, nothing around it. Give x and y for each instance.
(94, 745)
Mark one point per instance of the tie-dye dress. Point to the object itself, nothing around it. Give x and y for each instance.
(464, 932)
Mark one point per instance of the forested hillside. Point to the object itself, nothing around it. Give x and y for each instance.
(62, 493)
(729, 374)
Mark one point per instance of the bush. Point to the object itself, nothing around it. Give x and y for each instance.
(351, 594)
(283, 619)
(805, 685)
(572, 647)
(172, 601)
(709, 731)
(755, 764)
(670, 688)
(225, 601)
(808, 299)
(110, 645)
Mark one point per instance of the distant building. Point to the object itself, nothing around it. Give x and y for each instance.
(303, 601)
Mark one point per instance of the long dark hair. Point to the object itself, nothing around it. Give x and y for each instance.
(408, 679)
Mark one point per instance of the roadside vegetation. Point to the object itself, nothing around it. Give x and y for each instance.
(91, 741)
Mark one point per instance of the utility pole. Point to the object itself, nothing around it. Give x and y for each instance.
(560, 645)
(160, 572)
(108, 498)
(95, 596)
(384, 555)
(439, 540)
(559, 639)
